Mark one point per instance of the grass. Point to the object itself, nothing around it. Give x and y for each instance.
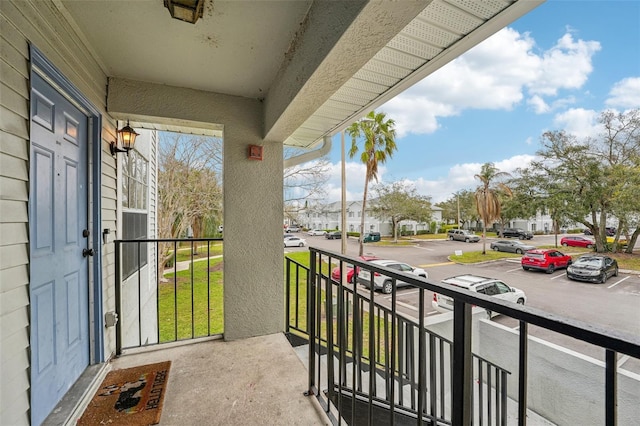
(215, 248)
(175, 309)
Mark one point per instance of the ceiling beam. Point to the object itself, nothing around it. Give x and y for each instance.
(333, 43)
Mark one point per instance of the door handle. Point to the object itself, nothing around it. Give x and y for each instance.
(87, 252)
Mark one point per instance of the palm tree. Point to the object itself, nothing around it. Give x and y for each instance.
(379, 144)
(487, 196)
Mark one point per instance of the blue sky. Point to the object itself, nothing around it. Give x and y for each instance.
(555, 68)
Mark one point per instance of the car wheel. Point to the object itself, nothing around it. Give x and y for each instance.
(387, 287)
(450, 238)
(301, 245)
(520, 301)
(565, 245)
(615, 272)
(495, 248)
(518, 251)
(603, 278)
(525, 268)
(589, 246)
(551, 269)
(466, 240)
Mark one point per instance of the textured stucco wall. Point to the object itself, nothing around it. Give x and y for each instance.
(253, 198)
(253, 250)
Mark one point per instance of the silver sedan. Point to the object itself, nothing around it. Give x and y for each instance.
(510, 246)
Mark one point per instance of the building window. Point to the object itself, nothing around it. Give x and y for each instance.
(135, 211)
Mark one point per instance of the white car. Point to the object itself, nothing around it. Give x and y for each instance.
(484, 285)
(295, 242)
(314, 232)
(384, 283)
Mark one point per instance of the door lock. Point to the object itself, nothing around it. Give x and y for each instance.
(85, 233)
(87, 252)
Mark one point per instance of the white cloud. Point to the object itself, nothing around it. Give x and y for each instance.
(566, 65)
(497, 74)
(625, 94)
(578, 121)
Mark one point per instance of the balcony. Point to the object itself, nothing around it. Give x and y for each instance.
(361, 361)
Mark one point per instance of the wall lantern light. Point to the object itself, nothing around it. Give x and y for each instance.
(185, 10)
(127, 137)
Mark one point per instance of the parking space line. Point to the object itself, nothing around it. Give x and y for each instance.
(622, 360)
(406, 305)
(615, 284)
(431, 265)
(557, 276)
(424, 248)
(513, 270)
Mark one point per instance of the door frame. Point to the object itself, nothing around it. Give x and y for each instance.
(45, 69)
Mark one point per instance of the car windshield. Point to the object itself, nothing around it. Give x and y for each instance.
(590, 261)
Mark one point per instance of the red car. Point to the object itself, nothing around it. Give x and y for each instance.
(335, 273)
(577, 241)
(545, 260)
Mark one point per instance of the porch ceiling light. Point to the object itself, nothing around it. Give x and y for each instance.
(185, 10)
(127, 137)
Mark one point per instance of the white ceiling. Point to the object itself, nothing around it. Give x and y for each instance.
(241, 48)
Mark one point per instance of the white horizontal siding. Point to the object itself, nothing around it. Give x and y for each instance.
(40, 23)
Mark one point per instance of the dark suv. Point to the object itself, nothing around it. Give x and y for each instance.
(517, 233)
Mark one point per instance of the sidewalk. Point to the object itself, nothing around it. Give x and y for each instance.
(184, 265)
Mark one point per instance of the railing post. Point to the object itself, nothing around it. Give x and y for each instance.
(311, 320)
(461, 386)
(522, 374)
(118, 303)
(611, 388)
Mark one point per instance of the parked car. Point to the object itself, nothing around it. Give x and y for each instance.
(288, 236)
(610, 231)
(545, 260)
(484, 285)
(577, 241)
(510, 246)
(384, 283)
(333, 235)
(595, 268)
(516, 233)
(293, 228)
(622, 240)
(462, 235)
(371, 237)
(335, 273)
(314, 232)
(294, 242)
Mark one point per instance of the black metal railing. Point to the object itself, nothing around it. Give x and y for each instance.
(369, 364)
(171, 290)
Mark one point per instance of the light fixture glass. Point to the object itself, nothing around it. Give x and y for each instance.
(126, 137)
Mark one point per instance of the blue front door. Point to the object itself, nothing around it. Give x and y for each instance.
(59, 287)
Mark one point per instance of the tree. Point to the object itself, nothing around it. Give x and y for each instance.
(189, 185)
(398, 202)
(303, 183)
(488, 198)
(379, 145)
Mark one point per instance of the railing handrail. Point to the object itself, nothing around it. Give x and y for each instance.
(615, 340)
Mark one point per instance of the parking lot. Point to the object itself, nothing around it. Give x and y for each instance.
(614, 305)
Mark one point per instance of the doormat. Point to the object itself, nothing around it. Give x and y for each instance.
(132, 396)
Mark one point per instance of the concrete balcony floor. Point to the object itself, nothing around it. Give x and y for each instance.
(254, 381)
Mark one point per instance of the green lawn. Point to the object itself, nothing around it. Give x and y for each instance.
(176, 313)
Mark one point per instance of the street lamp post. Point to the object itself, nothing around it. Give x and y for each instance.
(343, 203)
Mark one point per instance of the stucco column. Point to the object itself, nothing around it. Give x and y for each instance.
(253, 248)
